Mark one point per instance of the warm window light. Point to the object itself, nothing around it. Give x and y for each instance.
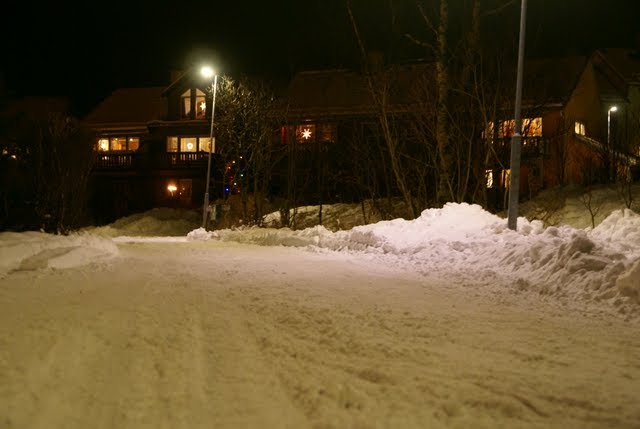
(580, 128)
(207, 72)
(104, 144)
(489, 177)
(306, 134)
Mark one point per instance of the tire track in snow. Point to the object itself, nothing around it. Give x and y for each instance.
(134, 351)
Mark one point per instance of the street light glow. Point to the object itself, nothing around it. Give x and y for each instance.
(613, 109)
(207, 72)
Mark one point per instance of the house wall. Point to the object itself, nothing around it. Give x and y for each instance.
(570, 161)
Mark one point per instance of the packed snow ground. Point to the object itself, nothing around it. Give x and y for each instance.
(449, 320)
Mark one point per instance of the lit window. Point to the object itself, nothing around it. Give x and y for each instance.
(188, 144)
(134, 143)
(305, 133)
(505, 178)
(118, 143)
(489, 177)
(172, 144)
(201, 104)
(531, 127)
(580, 129)
(103, 145)
(185, 103)
(205, 144)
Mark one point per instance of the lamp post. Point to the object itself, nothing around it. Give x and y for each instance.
(516, 139)
(207, 72)
(611, 109)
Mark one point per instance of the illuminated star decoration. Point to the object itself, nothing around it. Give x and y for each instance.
(306, 133)
(203, 106)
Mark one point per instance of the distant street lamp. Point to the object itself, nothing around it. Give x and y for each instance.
(516, 139)
(208, 73)
(611, 109)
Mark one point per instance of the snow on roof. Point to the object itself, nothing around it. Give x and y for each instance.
(130, 106)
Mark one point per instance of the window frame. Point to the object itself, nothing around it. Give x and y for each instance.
(128, 142)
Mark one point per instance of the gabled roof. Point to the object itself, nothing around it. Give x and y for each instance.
(183, 79)
(130, 106)
(625, 61)
(552, 80)
(342, 91)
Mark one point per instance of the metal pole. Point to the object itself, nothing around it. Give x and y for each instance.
(516, 139)
(609, 129)
(205, 208)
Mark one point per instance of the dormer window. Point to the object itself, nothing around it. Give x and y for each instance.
(193, 104)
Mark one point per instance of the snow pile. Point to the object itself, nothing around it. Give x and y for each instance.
(200, 234)
(563, 262)
(36, 250)
(155, 222)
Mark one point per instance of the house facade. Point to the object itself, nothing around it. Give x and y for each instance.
(153, 144)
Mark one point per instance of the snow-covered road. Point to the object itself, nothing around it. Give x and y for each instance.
(227, 335)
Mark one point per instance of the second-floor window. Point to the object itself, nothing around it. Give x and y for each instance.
(531, 127)
(193, 104)
(187, 144)
(118, 144)
(310, 133)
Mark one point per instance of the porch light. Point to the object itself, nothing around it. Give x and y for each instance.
(172, 188)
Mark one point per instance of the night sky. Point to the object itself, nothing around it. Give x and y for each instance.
(85, 50)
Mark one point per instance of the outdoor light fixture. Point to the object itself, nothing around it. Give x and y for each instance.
(172, 188)
(207, 72)
(516, 139)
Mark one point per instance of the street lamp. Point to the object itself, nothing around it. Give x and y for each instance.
(208, 73)
(516, 139)
(611, 109)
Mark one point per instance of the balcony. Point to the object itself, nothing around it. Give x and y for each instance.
(186, 159)
(532, 147)
(115, 161)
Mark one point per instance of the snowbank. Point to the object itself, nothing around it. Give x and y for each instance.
(36, 250)
(565, 262)
(155, 222)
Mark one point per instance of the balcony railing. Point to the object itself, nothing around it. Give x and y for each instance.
(129, 161)
(532, 147)
(115, 161)
(185, 159)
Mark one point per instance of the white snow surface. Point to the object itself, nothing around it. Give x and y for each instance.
(448, 320)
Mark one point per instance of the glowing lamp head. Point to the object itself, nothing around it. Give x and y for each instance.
(207, 72)
(172, 188)
(613, 109)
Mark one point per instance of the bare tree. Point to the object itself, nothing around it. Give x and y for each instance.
(58, 154)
